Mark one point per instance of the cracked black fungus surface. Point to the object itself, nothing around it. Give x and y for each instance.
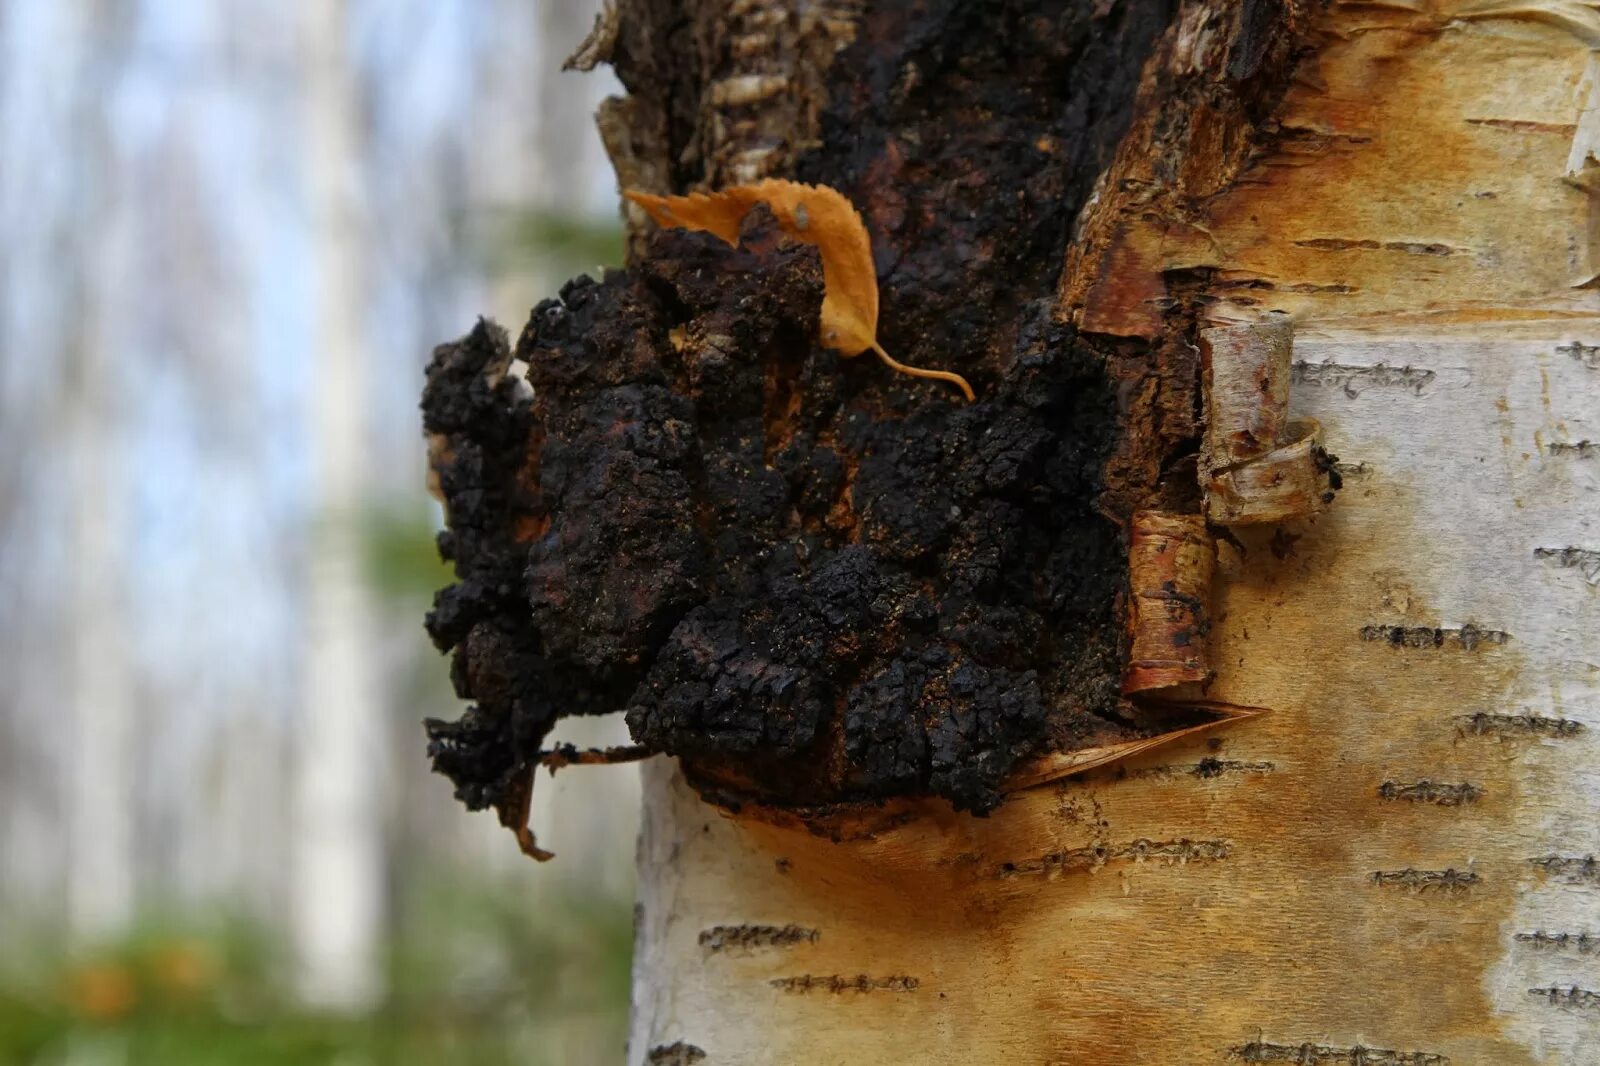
(812, 578)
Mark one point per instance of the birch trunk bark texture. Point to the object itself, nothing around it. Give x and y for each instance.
(1093, 211)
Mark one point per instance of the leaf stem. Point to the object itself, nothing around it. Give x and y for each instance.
(917, 372)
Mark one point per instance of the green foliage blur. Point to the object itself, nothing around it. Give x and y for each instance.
(478, 975)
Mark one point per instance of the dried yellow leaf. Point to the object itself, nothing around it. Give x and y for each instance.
(819, 216)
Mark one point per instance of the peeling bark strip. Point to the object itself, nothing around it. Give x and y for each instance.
(1170, 563)
(1246, 372)
(1257, 466)
(1293, 481)
(1061, 764)
(1199, 128)
(749, 937)
(1434, 792)
(1095, 856)
(1325, 1055)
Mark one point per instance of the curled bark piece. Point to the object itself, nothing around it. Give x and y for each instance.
(1256, 465)
(1247, 389)
(1287, 482)
(1170, 563)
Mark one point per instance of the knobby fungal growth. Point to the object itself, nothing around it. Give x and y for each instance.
(672, 499)
(812, 581)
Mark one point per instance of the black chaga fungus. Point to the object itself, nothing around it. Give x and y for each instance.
(811, 578)
(787, 567)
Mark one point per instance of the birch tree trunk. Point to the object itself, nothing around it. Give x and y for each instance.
(1396, 863)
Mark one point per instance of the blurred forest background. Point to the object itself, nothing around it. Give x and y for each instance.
(232, 232)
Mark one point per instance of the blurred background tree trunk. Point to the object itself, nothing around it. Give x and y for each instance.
(100, 835)
(164, 345)
(340, 793)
